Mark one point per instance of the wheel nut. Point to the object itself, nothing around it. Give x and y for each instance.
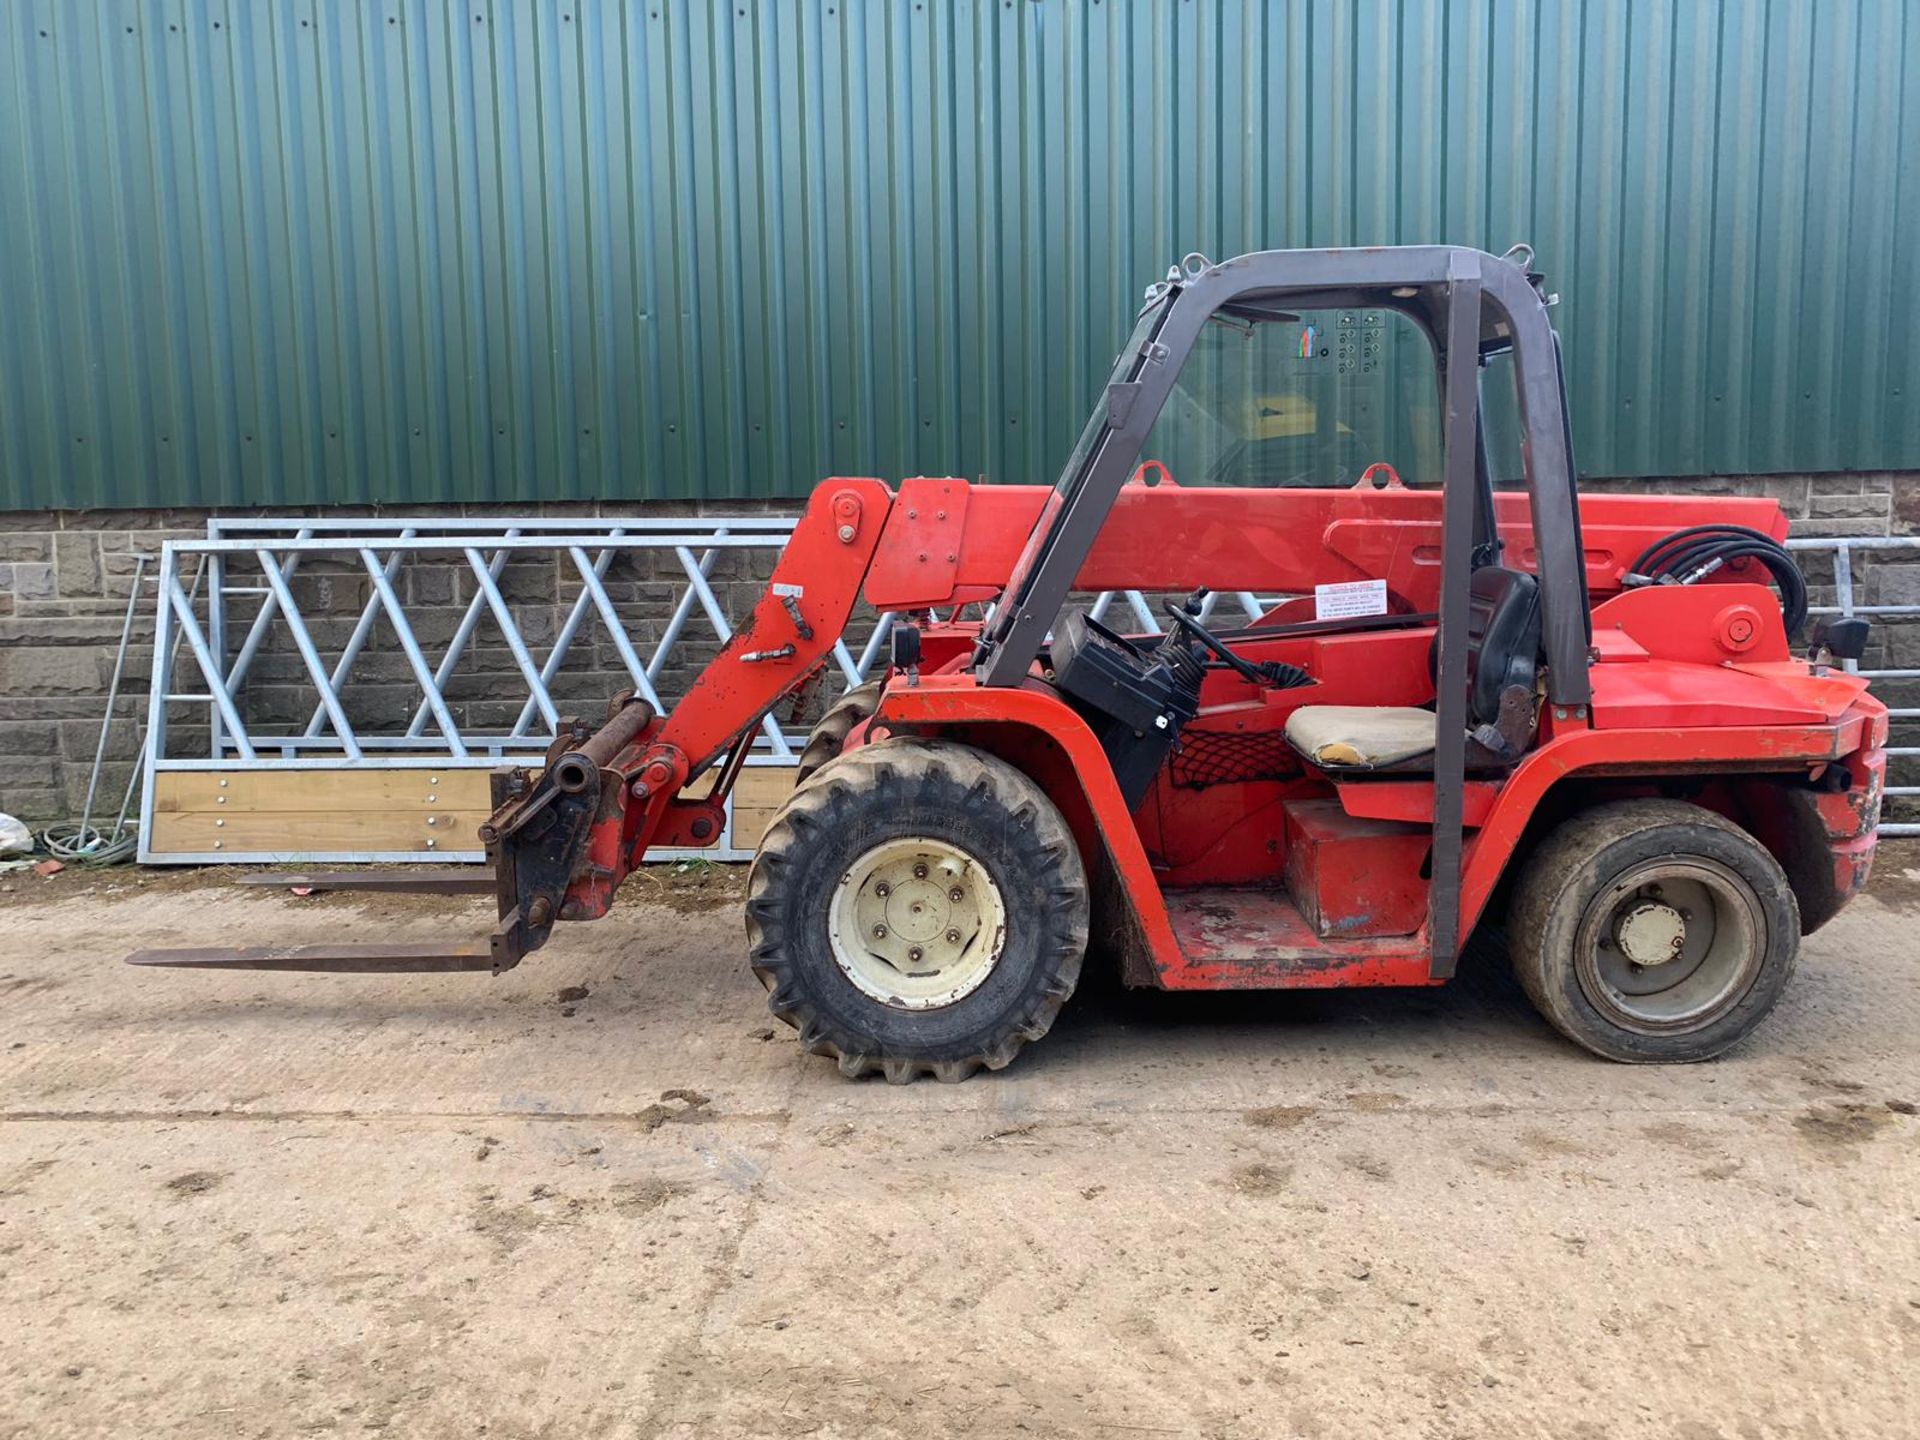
(919, 872)
(953, 937)
(883, 889)
(879, 932)
(915, 954)
(956, 895)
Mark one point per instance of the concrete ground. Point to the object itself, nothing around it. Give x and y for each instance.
(604, 1195)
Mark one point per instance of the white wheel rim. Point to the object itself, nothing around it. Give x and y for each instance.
(917, 923)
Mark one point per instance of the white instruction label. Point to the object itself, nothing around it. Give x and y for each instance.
(1349, 598)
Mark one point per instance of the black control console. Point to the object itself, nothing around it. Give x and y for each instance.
(1134, 698)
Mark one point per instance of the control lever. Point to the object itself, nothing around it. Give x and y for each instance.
(1187, 617)
(1277, 673)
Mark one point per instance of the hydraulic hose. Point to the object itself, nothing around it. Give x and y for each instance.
(1690, 555)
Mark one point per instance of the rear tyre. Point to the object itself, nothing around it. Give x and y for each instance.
(920, 908)
(830, 732)
(1652, 931)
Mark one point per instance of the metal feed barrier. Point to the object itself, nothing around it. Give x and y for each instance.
(206, 586)
(251, 564)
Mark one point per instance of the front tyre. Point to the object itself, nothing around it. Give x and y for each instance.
(1653, 931)
(830, 733)
(920, 908)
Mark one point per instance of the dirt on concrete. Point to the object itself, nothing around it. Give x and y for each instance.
(605, 1195)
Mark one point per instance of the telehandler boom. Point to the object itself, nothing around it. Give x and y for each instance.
(1585, 715)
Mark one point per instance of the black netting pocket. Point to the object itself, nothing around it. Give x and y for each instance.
(1206, 758)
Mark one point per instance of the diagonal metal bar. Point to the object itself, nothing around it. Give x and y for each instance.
(1143, 612)
(309, 652)
(383, 592)
(591, 593)
(362, 631)
(870, 652)
(682, 611)
(181, 610)
(257, 632)
(503, 617)
(563, 642)
(262, 623)
(216, 633)
(457, 646)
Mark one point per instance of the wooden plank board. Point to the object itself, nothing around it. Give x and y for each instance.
(321, 790)
(318, 812)
(760, 790)
(316, 832)
(347, 812)
(763, 787)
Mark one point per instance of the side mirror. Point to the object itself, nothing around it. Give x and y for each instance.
(1842, 639)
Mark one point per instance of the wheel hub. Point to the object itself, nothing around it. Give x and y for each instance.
(1671, 945)
(917, 923)
(1651, 933)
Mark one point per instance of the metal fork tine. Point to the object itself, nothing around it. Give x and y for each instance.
(340, 959)
(440, 880)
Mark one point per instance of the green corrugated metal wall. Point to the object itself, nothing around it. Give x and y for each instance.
(289, 251)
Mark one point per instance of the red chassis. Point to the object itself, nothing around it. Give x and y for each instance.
(1694, 692)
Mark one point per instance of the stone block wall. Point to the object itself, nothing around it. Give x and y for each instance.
(65, 578)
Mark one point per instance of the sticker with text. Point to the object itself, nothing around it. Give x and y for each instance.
(1349, 598)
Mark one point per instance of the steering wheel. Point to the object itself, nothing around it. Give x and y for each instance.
(1214, 643)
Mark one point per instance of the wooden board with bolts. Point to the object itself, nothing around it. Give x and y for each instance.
(343, 812)
(320, 812)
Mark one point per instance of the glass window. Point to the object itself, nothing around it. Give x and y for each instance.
(1500, 423)
(1308, 400)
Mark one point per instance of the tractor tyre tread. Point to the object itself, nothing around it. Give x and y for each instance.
(830, 731)
(825, 824)
(1581, 855)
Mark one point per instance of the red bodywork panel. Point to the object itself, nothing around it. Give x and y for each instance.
(1349, 876)
(1687, 682)
(948, 543)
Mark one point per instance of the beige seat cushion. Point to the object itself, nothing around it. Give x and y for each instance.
(1360, 736)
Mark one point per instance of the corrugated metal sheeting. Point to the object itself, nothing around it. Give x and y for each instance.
(289, 251)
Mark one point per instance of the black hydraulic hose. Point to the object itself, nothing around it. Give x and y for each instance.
(1692, 554)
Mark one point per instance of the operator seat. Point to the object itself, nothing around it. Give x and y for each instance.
(1503, 657)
